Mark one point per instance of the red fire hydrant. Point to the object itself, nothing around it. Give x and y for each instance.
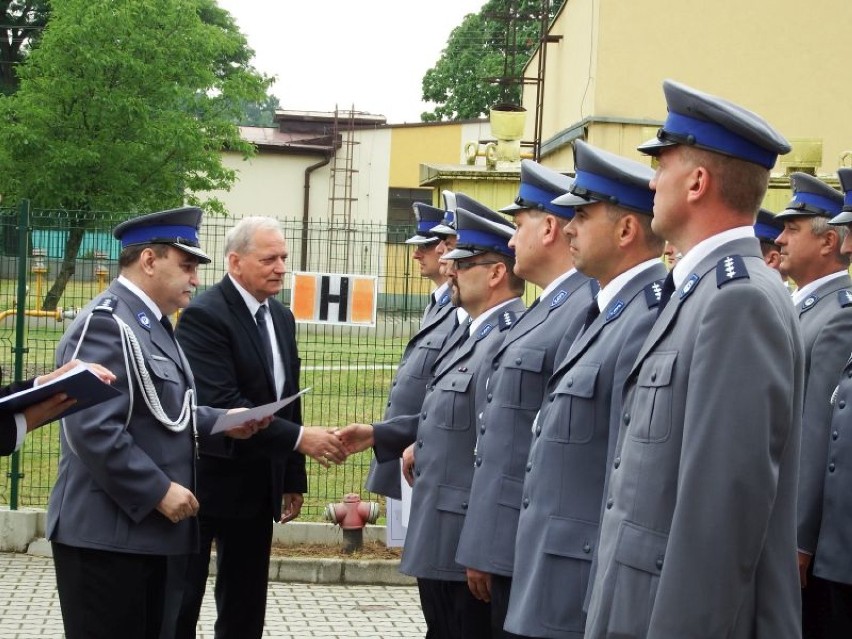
(352, 515)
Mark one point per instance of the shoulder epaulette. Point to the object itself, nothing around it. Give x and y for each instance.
(844, 298)
(730, 268)
(107, 304)
(507, 319)
(653, 293)
(614, 310)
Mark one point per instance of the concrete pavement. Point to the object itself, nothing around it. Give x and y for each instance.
(29, 606)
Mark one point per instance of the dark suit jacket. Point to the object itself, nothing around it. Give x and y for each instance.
(8, 430)
(221, 341)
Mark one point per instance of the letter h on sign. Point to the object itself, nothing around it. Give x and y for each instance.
(334, 298)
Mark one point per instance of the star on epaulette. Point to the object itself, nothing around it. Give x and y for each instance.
(730, 268)
(507, 319)
(654, 293)
(844, 298)
(107, 304)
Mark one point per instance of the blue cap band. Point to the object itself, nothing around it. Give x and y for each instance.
(484, 241)
(160, 234)
(847, 201)
(828, 206)
(531, 194)
(607, 190)
(424, 226)
(716, 137)
(766, 232)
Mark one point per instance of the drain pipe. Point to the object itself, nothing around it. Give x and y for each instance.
(306, 208)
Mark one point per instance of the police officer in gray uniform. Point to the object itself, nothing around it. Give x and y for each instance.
(515, 385)
(409, 384)
(832, 560)
(766, 230)
(123, 500)
(698, 536)
(576, 428)
(811, 257)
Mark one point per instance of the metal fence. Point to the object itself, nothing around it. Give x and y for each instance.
(348, 368)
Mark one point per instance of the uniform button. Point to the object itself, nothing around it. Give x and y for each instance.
(428, 342)
(495, 365)
(626, 419)
(529, 466)
(526, 502)
(478, 462)
(653, 377)
(552, 396)
(417, 473)
(518, 361)
(419, 443)
(570, 382)
(538, 430)
(489, 397)
(842, 403)
(587, 548)
(394, 383)
(659, 563)
(388, 402)
(464, 505)
(452, 383)
(835, 435)
(423, 415)
(849, 373)
(616, 462)
(609, 503)
(831, 467)
(482, 429)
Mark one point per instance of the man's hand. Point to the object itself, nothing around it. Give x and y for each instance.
(356, 437)
(47, 410)
(104, 374)
(408, 464)
(322, 445)
(249, 428)
(480, 584)
(804, 564)
(291, 506)
(178, 504)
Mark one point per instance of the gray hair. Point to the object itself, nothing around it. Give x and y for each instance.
(239, 239)
(820, 226)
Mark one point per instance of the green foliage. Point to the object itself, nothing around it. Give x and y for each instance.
(495, 43)
(21, 24)
(126, 106)
(259, 113)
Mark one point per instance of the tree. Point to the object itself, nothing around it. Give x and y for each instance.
(259, 113)
(126, 106)
(495, 43)
(21, 24)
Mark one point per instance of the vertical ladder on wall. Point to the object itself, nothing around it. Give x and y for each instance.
(342, 193)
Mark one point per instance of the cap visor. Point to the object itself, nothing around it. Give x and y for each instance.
(653, 146)
(192, 250)
(569, 199)
(511, 209)
(787, 214)
(443, 230)
(460, 254)
(842, 218)
(421, 239)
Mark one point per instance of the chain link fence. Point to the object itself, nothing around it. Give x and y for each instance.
(349, 369)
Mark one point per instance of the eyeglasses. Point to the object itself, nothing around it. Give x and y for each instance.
(463, 266)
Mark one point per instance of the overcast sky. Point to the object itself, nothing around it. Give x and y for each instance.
(370, 54)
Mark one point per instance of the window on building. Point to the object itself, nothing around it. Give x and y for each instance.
(400, 216)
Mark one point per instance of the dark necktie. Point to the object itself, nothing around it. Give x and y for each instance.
(260, 316)
(666, 292)
(164, 320)
(591, 314)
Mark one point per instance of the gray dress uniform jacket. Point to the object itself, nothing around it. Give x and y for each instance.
(409, 387)
(826, 321)
(112, 477)
(698, 536)
(444, 452)
(517, 377)
(562, 492)
(833, 559)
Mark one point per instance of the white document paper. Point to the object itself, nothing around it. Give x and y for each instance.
(232, 420)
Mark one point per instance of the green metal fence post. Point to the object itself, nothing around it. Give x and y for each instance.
(19, 349)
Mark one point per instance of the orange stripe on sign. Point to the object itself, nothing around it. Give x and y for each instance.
(362, 301)
(304, 297)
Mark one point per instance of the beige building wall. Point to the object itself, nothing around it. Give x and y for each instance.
(609, 67)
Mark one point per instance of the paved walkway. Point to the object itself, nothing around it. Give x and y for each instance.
(29, 607)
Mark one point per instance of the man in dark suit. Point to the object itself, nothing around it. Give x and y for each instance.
(811, 256)
(123, 500)
(415, 368)
(15, 426)
(698, 535)
(241, 344)
(517, 375)
(576, 427)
